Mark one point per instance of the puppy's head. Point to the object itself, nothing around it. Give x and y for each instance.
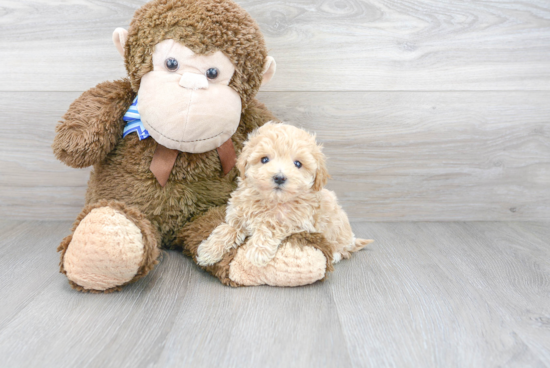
(282, 162)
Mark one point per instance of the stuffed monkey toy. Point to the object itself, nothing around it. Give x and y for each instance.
(163, 145)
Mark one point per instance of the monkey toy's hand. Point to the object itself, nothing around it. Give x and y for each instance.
(93, 124)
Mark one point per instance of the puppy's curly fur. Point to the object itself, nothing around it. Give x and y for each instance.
(280, 192)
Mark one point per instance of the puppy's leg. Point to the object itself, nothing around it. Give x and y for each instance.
(334, 224)
(263, 246)
(222, 239)
(240, 232)
(337, 257)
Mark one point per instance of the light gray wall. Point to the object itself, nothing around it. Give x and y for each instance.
(429, 110)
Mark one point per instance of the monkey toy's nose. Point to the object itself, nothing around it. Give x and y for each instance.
(193, 81)
(279, 179)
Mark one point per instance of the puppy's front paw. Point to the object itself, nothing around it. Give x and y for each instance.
(260, 256)
(240, 238)
(209, 253)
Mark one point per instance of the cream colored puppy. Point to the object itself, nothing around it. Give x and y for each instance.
(280, 192)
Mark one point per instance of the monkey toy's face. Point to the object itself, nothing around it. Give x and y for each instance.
(186, 102)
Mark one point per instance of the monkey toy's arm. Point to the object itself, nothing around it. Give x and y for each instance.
(93, 124)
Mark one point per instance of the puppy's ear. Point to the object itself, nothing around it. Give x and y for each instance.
(241, 161)
(321, 175)
(245, 153)
(249, 147)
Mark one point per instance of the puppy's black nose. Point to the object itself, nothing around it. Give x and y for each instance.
(279, 179)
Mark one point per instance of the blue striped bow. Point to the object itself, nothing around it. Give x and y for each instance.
(134, 123)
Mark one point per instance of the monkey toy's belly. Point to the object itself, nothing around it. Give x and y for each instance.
(196, 184)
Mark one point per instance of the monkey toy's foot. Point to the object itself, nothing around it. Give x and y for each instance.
(301, 259)
(111, 246)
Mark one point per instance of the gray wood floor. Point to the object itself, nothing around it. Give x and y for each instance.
(423, 295)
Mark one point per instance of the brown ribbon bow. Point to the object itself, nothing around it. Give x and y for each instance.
(165, 158)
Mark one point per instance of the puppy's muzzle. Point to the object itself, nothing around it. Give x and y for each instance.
(279, 179)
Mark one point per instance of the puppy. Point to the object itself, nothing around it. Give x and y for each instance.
(280, 192)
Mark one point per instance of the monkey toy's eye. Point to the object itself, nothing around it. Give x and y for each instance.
(298, 164)
(172, 64)
(265, 160)
(212, 73)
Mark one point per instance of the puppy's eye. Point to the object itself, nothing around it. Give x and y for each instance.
(172, 64)
(265, 160)
(212, 73)
(298, 164)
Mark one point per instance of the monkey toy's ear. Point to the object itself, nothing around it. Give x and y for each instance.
(120, 36)
(269, 69)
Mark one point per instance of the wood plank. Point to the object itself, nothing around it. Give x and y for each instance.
(393, 155)
(443, 294)
(526, 270)
(28, 262)
(424, 294)
(256, 327)
(64, 328)
(496, 254)
(178, 315)
(335, 45)
(536, 233)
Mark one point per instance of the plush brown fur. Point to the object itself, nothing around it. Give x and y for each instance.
(151, 240)
(195, 184)
(91, 131)
(93, 125)
(194, 232)
(204, 26)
